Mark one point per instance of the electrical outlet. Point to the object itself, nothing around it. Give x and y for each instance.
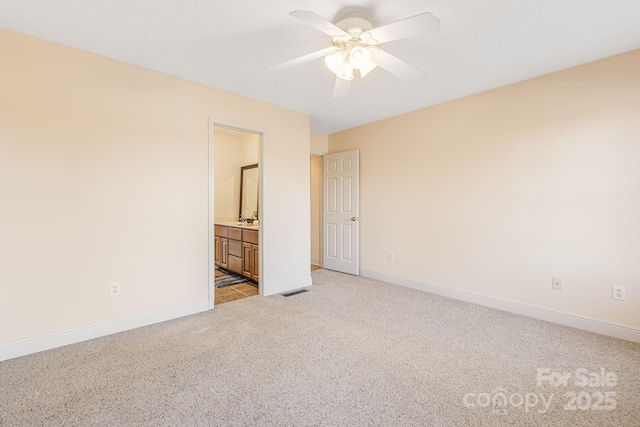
(389, 256)
(114, 289)
(620, 293)
(557, 283)
(231, 204)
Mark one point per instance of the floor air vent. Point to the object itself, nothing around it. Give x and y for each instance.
(290, 294)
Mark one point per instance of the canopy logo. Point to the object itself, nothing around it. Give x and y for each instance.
(585, 398)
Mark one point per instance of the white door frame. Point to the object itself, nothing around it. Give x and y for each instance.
(213, 121)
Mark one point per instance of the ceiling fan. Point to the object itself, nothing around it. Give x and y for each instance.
(355, 44)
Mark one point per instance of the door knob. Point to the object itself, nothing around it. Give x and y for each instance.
(354, 218)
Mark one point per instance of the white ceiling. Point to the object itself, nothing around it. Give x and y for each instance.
(230, 44)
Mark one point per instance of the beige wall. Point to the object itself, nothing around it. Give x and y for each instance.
(316, 209)
(319, 146)
(319, 143)
(231, 152)
(104, 177)
(498, 192)
(228, 154)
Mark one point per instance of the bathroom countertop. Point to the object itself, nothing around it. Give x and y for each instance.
(237, 224)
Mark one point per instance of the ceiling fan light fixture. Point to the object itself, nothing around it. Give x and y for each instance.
(336, 61)
(359, 57)
(354, 40)
(346, 72)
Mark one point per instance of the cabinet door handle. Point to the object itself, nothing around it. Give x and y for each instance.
(355, 218)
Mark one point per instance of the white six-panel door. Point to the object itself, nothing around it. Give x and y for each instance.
(340, 211)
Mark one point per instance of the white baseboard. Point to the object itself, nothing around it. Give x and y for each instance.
(72, 336)
(611, 329)
(315, 261)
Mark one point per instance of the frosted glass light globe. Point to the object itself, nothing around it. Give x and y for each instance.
(360, 57)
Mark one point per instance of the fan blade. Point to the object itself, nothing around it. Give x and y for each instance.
(302, 59)
(341, 89)
(318, 22)
(405, 28)
(398, 67)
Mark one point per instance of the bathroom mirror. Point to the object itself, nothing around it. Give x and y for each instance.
(249, 185)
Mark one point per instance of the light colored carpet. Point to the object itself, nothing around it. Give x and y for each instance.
(349, 352)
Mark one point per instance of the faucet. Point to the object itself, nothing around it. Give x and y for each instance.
(243, 219)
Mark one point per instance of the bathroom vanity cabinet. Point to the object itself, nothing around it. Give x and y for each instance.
(237, 250)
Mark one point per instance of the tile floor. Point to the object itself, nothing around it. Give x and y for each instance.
(236, 292)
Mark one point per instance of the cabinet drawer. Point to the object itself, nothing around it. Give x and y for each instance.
(235, 264)
(221, 231)
(235, 233)
(235, 247)
(250, 236)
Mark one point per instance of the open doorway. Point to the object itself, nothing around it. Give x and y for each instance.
(316, 212)
(236, 194)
